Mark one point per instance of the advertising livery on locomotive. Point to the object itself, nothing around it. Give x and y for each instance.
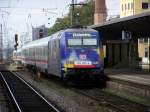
(70, 53)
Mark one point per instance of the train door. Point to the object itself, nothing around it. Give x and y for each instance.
(58, 62)
(53, 58)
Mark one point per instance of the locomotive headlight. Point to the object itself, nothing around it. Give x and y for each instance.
(95, 62)
(69, 62)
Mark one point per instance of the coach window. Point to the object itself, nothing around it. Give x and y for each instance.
(37, 50)
(46, 51)
(40, 51)
(24, 52)
(29, 52)
(43, 51)
(32, 51)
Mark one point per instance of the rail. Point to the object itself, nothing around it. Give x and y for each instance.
(25, 97)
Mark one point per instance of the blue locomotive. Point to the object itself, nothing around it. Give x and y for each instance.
(74, 53)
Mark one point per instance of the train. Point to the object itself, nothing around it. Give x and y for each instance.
(70, 54)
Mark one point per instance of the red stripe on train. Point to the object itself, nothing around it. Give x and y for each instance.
(84, 66)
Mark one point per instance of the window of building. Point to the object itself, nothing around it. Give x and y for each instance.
(145, 5)
(146, 52)
(145, 40)
(122, 7)
(128, 6)
(141, 40)
(125, 7)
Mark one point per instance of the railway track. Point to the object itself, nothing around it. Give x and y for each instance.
(4, 100)
(111, 103)
(108, 102)
(24, 96)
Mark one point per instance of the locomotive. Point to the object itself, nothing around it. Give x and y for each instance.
(74, 53)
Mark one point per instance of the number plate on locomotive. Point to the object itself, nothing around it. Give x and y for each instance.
(82, 62)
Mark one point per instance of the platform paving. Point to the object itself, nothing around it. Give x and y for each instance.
(136, 76)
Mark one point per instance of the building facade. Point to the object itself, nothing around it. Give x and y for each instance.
(132, 7)
(39, 32)
(143, 49)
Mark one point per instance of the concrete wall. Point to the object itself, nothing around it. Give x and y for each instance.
(129, 87)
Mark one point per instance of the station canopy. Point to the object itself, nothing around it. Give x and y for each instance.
(138, 24)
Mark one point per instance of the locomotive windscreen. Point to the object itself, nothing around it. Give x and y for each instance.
(82, 39)
(82, 42)
(74, 42)
(90, 41)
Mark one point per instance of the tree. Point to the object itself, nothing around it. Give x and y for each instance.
(61, 23)
(83, 16)
(87, 14)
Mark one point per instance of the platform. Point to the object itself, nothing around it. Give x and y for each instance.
(133, 82)
(136, 76)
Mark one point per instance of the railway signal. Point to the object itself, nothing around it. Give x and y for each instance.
(16, 41)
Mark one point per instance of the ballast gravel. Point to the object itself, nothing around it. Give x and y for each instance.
(63, 97)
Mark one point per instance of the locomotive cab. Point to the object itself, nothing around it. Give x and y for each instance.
(82, 55)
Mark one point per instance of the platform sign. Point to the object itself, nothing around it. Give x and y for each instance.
(126, 35)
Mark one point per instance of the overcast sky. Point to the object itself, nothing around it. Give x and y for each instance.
(25, 13)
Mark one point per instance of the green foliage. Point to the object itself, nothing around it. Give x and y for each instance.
(84, 18)
(61, 23)
(86, 14)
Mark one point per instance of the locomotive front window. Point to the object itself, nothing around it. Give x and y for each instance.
(92, 42)
(74, 42)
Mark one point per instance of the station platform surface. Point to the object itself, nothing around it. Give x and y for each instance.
(136, 76)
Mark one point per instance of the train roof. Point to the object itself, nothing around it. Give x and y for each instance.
(37, 42)
(80, 30)
(46, 39)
